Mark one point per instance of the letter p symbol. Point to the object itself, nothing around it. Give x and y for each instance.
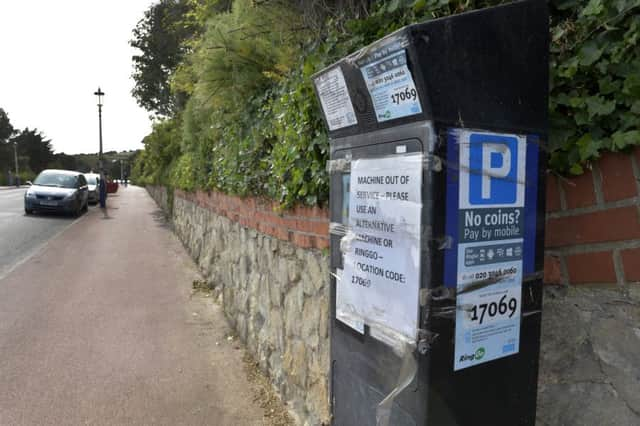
(490, 150)
(493, 169)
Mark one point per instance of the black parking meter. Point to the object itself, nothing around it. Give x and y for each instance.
(437, 220)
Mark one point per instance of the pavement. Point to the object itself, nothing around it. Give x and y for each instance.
(100, 326)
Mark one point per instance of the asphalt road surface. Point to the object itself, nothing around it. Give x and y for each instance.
(99, 326)
(22, 235)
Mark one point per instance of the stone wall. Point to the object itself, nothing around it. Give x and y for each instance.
(274, 293)
(273, 277)
(163, 197)
(590, 357)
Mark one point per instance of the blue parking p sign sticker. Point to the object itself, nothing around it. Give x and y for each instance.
(489, 222)
(494, 158)
(495, 166)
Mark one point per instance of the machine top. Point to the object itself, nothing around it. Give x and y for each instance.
(481, 69)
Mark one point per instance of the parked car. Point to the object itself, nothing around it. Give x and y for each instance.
(112, 186)
(93, 182)
(58, 191)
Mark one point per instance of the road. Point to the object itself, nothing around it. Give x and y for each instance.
(99, 326)
(21, 235)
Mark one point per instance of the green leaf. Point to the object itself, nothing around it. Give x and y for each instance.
(589, 53)
(620, 140)
(419, 5)
(569, 68)
(576, 101)
(308, 68)
(602, 66)
(563, 99)
(588, 147)
(607, 85)
(393, 5)
(632, 85)
(626, 120)
(576, 169)
(597, 105)
(581, 117)
(594, 7)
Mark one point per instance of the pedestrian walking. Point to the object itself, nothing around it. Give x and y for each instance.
(103, 190)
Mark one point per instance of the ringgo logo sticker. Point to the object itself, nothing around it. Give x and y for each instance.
(477, 355)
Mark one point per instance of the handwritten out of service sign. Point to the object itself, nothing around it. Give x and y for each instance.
(381, 277)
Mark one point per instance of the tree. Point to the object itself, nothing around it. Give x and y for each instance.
(6, 151)
(63, 161)
(161, 36)
(33, 145)
(6, 129)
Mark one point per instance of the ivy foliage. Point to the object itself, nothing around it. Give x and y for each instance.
(595, 80)
(252, 125)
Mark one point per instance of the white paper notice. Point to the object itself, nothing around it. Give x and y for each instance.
(335, 99)
(381, 277)
(391, 87)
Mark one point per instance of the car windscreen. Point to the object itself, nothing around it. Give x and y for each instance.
(59, 180)
(91, 179)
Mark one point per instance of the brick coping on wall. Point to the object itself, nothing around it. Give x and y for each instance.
(592, 233)
(305, 227)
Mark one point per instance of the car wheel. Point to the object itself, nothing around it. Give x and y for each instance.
(28, 211)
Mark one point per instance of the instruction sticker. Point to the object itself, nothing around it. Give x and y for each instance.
(381, 277)
(335, 99)
(490, 223)
(391, 87)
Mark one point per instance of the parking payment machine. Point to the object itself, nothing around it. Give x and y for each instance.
(437, 221)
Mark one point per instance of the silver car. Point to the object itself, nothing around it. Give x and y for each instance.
(93, 182)
(57, 191)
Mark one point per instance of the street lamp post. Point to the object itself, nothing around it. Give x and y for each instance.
(100, 94)
(103, 184)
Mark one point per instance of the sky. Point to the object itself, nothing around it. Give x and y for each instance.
(54, 54)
